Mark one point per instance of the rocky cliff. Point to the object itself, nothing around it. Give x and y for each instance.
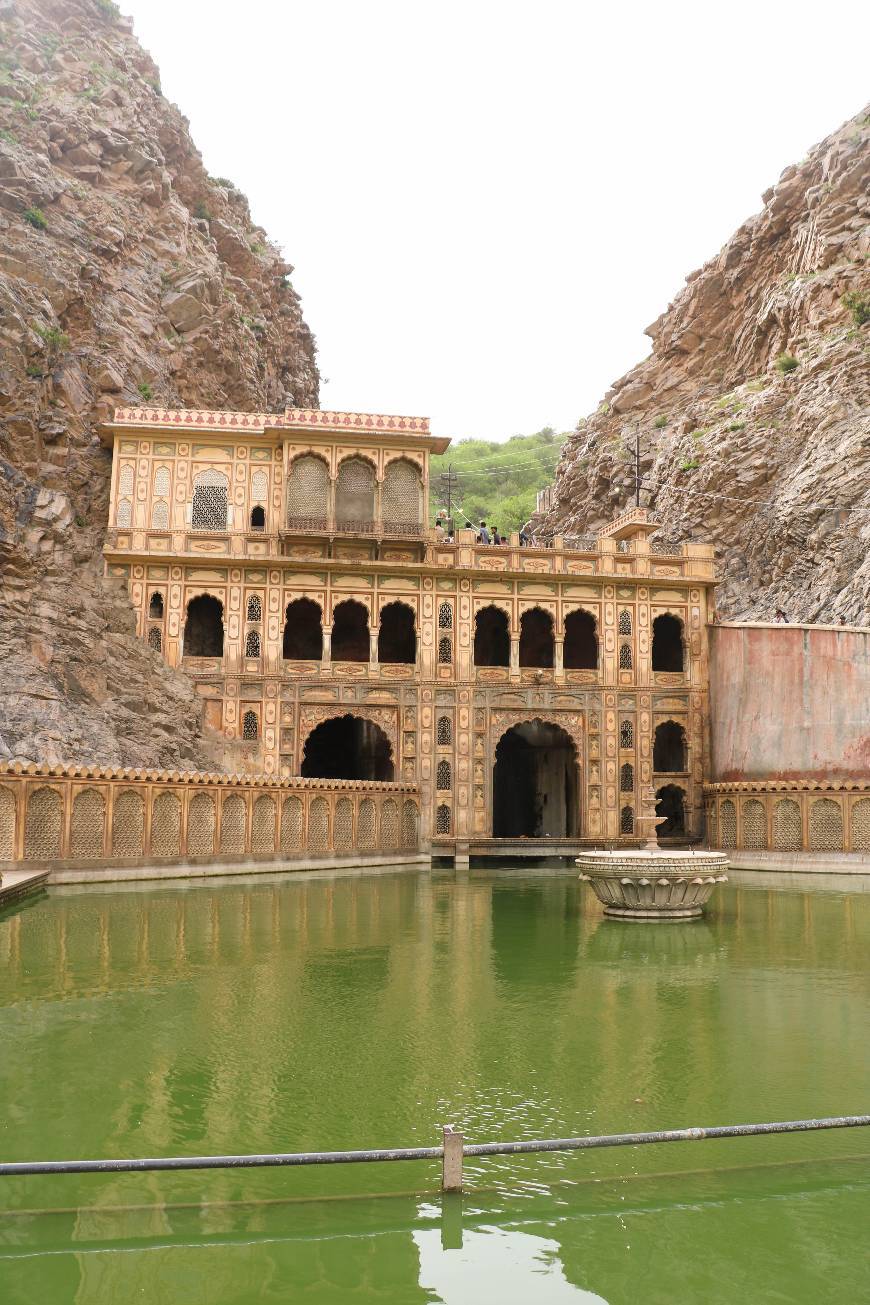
(126, 272)
(753, 405)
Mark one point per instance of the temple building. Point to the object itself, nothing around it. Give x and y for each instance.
(286, 562)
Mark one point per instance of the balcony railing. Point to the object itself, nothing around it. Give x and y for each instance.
(377, 528)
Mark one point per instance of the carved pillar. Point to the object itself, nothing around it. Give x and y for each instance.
(373, 645)
(326, 660)
(515, 656)
(559, 658)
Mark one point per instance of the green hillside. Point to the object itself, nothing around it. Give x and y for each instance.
(496, 483)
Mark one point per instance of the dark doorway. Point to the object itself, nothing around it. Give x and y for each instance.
(204, 628)
(667, 644)
(347, 748)
(670, 804)
(536, 638)
(492, 641)
(397, 640)
(535, 783)
(303, 632)
(669, 749)
(155, 607)
(581, 642)
(258, 518)
(350, 632)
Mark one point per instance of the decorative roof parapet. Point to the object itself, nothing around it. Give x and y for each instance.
(789, 786)
(199, 418)
(128, 774)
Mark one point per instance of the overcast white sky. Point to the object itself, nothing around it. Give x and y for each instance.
(486, 203)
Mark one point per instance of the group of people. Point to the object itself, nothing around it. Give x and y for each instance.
(483, 533)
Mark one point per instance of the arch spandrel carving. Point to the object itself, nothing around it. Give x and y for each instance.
(384, 717)
(571, 723)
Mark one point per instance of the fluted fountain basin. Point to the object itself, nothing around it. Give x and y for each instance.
(653, 885)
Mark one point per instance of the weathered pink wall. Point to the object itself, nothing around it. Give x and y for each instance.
(789, 702)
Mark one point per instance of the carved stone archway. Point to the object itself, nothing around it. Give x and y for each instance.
(384, 717)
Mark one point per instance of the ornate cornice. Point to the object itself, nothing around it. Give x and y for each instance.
(194, 778)
(291, 418)
(790, 786)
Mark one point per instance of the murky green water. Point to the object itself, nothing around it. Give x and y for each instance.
(310, 1013)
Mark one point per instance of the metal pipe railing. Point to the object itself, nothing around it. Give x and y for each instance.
(451, 1153)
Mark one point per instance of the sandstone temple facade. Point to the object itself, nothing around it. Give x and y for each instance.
(286, 563)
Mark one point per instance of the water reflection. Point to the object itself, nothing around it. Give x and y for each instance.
(497, 1264)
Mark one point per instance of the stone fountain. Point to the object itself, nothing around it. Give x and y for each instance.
(652, 884)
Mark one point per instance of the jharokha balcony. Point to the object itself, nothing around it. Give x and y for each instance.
(381, 528)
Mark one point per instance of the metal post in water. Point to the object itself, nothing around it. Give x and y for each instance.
(451, 1161)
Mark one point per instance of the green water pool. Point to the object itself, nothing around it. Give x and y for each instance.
(302, 1013)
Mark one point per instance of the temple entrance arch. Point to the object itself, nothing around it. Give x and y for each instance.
(671, 804)
(347, 747)
(536, 784)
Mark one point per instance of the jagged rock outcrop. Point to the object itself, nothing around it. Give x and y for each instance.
(126, 272)
(770, 464)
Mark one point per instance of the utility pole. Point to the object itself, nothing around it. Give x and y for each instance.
(449, 480)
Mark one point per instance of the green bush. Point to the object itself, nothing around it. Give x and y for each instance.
(858, 305)
(36, 372)
(786, 362)
(736, 425)
(36, 218)
(54, 339)
(689, 464)
(200, 211)
(109, 7)
(225, 182)
(660, 422)
(145, 390)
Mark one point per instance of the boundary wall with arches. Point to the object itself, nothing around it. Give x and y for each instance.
(89, 823)
(806, 825)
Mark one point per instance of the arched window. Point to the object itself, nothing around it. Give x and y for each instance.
(350, 632)
(402, 495)
(443, 777)
(160, 516)
(161, 482)
(355, 493)
(308, 492)
(155, 606)
(667, 643)
(125, 480)
(626, 734)
(536, 638)
(155, 638)
(445, 617)
(625, 622)
(252, 644)
(625, 661)
(258, 518)
(492, 641)
(669, 748)
(397, 640)
(442, 820)
(209, 511)
(445, 651)
(445, 731)
(303, 632)
(626, 778)
(581, 642)
(626, 820)
(255, 608)
(250, 726)
(204, 628)
(124, 516)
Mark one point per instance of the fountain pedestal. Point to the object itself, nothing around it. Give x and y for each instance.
(653, 885)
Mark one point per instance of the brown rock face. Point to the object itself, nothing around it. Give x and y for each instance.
(125, 272)
(770, 464)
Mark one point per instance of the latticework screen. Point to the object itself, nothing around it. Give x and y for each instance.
(125, 513)
(166, 825)
(445, 617)
(442, 820)
(410, 824)
(401, 494)
(42, 825)
(861, 825)
(87, 824)
(160, 516)
(209, 510)
(626, 734)
(308, 488)
(233, 822)
(252, 649)
(201, 825)
(389, 824)
(318, 825)
(259, 487)
(445, 730)
(626, 820)
(342, 833)
(161, 482)
(155, 638)
(754, 825)
(263, 825)
(625, 656)
(7, 824)
(128, 824)
(443, 778)
(787, 830)
(292, 827)
(355, 491)
(366, 825)
(445, 650)
(626, 778)
(250, 724)
(625, 622)
(255, 608)
(826, 826)
(728, 823)
(125, 480)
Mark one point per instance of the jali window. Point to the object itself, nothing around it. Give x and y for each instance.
(209, 511)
